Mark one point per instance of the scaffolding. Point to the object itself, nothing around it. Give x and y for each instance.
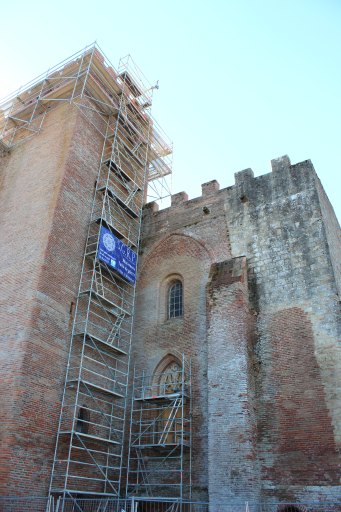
(135, 154)
(160, 445)
(88, 81)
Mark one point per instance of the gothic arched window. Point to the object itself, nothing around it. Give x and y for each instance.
(175, 299)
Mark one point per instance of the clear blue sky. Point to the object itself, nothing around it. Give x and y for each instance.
(241, 81)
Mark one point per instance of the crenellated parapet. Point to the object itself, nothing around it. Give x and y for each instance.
(285, 179)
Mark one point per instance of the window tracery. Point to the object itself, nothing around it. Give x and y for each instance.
(171, 379)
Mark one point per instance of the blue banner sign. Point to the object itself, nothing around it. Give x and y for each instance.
(117, 255)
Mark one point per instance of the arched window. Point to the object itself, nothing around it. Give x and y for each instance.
(175, 299)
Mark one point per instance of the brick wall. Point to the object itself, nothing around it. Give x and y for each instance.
(232, 430)
(46, 193)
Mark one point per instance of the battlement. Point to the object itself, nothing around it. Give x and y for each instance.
(284, 179)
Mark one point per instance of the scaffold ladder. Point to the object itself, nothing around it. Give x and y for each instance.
(175, 407)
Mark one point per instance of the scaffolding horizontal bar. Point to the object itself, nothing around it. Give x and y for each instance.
(166, 396)
(121, 236)
(80, 492)
(95, 386)
(113, 347)
(116, 309)
(90, 436)
(110, 191)
(162, 446)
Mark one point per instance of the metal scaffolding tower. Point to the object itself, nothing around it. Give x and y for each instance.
(135, 153)
(160, 435)
(87, 80)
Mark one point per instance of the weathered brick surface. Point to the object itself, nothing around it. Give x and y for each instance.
(46, 193)
(295, 429)
(232, 454)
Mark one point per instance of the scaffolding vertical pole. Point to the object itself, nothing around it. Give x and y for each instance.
(183, 380)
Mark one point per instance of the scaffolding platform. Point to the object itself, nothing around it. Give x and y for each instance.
(96, 387)
(114, 195)
(89, 436)
(109, 225)
(161, 397)
(111, 306)
(164, 446)
(78, 494)
(105, 344)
